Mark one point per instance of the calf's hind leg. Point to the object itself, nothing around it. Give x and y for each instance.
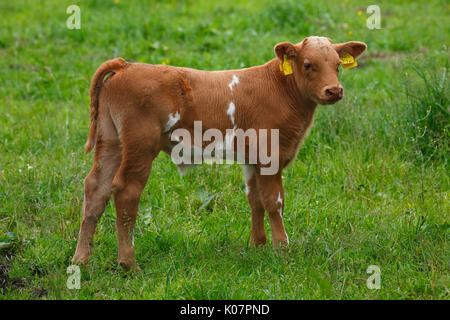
(128, 184)
(97, 185)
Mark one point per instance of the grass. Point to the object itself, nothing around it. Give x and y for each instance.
(369, 186)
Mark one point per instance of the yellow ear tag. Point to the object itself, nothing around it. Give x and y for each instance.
(286, 66)
(348, 61)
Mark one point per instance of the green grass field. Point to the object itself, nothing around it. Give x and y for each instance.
(370, 185)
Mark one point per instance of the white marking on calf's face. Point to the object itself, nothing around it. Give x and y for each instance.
(173, 119)
(234, 82)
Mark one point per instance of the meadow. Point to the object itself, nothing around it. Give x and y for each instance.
(370, 185)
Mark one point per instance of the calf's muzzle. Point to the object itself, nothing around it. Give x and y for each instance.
(334, 93)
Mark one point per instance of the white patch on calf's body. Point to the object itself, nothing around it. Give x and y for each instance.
(280, 201)
(248, 174)
(234, 82)
(173, 119)
(230, 112)
(280, 212)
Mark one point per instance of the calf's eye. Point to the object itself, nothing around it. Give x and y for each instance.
(307, 65)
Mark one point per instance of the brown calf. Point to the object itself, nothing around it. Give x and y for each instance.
(136, 109)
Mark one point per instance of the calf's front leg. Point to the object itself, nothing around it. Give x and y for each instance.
(258, 236)
(272, 196)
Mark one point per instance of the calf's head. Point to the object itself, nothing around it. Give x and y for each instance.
(315, 66)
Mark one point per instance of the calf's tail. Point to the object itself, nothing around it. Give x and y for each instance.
(109, 67)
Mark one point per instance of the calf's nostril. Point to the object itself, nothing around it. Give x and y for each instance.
(334, 92)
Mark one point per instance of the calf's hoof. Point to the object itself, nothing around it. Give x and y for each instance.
(129, 266)
(280, 244)
(81, 257)
(257, 241)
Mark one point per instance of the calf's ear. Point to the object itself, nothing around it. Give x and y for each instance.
(285, 48)
(354, 48)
